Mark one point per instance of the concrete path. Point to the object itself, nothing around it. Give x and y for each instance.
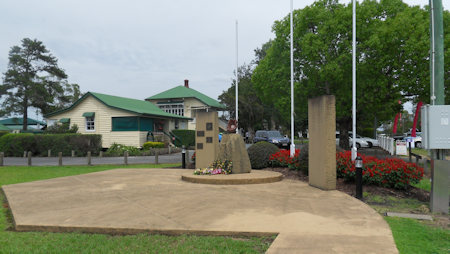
(306, 219)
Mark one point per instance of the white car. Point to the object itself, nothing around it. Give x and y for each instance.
(370, 141)
(360, 143)
(416, 141)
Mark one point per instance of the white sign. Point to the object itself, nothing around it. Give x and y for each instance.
(400, 148)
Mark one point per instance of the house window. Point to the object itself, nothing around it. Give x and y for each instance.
(173, 108)
(125, 123)
(90, 123)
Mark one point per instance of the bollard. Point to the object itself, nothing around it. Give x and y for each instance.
(73, 153)
(2, 155)
(89, 162)
(29, 158)
(100, 154)
(49, 153)
(188, 161)
(410, 155)
(125, 158)
(24, 154)
(183, 157)
(359, 166)
(156, 156)
(60, 158)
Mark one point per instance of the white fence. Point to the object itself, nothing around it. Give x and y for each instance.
(387, 144)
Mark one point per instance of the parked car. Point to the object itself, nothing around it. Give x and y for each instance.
(360, 143)
(370, 141)
(416, 141)
(273, 137)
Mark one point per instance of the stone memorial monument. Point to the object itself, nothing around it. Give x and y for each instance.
(233, 148)
(322, 142)
(206, 139)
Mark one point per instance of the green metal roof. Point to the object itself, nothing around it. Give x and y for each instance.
(184, 92)
(19, 121)
(132, 105)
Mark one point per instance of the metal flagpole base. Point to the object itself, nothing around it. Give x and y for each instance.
(354, 153)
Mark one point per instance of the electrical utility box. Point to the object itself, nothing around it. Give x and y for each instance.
(436, 126)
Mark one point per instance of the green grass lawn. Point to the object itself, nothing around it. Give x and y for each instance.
(40, 242)
(411, 236)
(424, 184)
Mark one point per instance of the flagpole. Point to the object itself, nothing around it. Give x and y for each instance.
(354, 149)
(237, 81)
(292, 148)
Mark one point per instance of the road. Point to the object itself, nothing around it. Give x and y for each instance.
(53, 161)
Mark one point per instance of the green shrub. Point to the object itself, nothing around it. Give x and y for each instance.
(260, 153)
(187, 138)
(150, 144)
(119, 150)
(2, 133)
(39, 144)
(61, 129)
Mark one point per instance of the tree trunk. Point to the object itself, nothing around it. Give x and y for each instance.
(25, 114)
(344, 128)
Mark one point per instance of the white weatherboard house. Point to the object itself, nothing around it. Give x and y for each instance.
(185, 101)
(119, 120)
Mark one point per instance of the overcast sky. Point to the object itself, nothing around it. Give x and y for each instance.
(138, 48)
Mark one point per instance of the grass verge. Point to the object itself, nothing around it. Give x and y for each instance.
(411, 236)
(42, 242)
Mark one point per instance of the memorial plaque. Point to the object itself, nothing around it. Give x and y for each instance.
(206, 145)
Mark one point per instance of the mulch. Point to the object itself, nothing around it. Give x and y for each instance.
(350, 188)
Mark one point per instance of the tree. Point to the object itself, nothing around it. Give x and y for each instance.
(391, 60)
(251, 110)
(33, 79)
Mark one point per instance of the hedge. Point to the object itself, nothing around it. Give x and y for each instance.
(150, 144)
(39, 144)
(187, 137)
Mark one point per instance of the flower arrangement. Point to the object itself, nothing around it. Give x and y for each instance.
(216, 168)
(392, 172)
(283, 158)
(193, 157)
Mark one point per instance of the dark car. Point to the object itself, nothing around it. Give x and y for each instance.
(273, 137)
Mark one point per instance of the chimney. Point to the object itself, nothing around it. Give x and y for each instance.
(186, 83)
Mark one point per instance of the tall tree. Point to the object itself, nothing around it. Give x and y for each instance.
(33, 79)
(251, 110)
(392, 63)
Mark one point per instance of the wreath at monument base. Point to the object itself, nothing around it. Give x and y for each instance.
(217, 167)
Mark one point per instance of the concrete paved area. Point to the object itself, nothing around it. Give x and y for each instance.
(307, 220)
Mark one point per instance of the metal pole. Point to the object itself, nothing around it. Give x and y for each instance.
(125, 158)
(183, 157)
(292, 148)
(89, 161)
(358, 180)
(237, 81)
(354, 149)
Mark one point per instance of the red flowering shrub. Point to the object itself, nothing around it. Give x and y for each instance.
(283, 159)
(393, 173)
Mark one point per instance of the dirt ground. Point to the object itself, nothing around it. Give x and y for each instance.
(412, 200)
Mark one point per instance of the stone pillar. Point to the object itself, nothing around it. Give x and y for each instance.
(233, 148)
(322, 142)
(206, 138)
